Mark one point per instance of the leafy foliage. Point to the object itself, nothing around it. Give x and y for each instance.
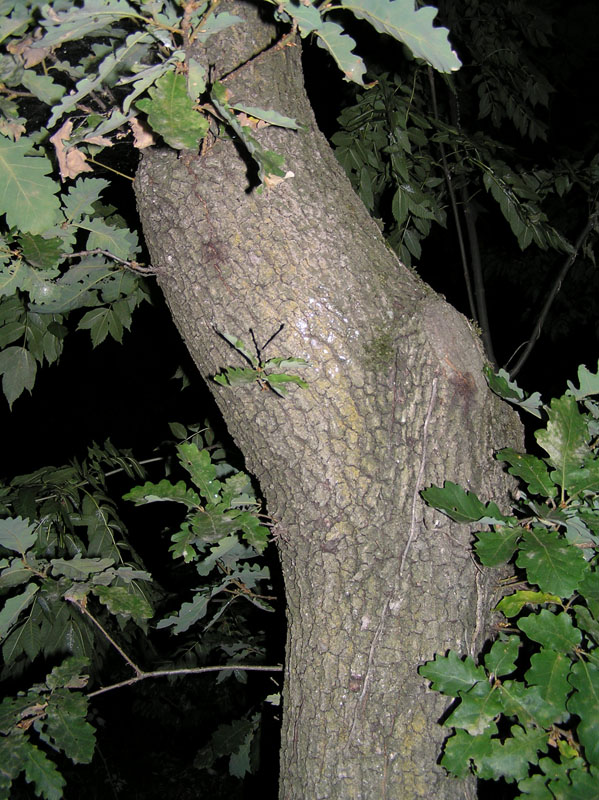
(55, 710)
(539, 730)
(392, 145)
(260, 371)
(63, 250)
(215, 516)
(71, 582)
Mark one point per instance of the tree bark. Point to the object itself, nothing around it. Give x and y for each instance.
(376, 583)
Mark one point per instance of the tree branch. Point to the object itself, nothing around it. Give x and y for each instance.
(591, 223)
(134, 266)
(454, 206)
(142, 675)
(163, 673)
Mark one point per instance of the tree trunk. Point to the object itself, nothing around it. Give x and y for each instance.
(375, 582)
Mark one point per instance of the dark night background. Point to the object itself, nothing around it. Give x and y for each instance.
(149, 735)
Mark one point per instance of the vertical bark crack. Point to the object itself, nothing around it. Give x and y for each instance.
(418, 483)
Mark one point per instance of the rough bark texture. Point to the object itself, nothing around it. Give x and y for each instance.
(376, 583)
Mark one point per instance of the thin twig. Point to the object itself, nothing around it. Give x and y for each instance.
(278, 45)
(110, 169)
(592, 221)
(81, 606)
(163, 673)
(454, 206)
(141, 675)
(135, 266)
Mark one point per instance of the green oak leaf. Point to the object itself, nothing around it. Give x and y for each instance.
(513, 604)
(18, 534)
(201, 470)
(75, 22)
(122, 600)
(237, 376)
(18, 368)
(451, 675)
(510, 759)
(42, 772)
(589, 383)
(268, 115)
(188, 614)
(462, 506)
(332, 37)
(494, 548)
(549, 671)
(79, 568)
(553, 631)
(66, 725)
(164, 491)
(478, 708)
(585, 702)
(40, 252)
(501, 659)
(27, 195)
(414, 28)
(215, 23)
(462, 748)
(14, 606)
(171, 113)
(531, 469)
(551, 562)
(565, 439)
(501, 384)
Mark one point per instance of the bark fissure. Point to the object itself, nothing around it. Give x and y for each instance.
(375, 582)
(418, 485)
